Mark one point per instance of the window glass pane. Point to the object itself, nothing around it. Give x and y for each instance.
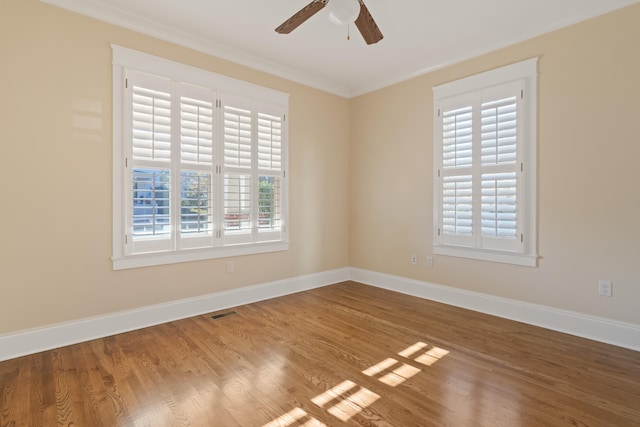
(151, 203)
(269, 209)
(195, 206)
(237, 202)
(457, 205)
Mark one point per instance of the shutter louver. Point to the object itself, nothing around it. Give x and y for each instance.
(151, 124)
(457, 136)
(457, 205)
(499, 205)
(498, 139)
(269, 142)
(196, 131)
(237, 137)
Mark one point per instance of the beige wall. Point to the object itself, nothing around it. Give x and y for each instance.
(588, 174)
(56, 176)
(360, 189)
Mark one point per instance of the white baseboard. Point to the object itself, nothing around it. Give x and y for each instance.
(59, 335)
(33, 341)
(595, 328)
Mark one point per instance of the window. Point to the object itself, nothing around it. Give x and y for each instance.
(199, 164)
(485, 166)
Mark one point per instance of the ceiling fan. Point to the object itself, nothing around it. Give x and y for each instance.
(365, 23)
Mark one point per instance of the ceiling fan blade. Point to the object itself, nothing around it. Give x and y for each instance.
(302, 15)
(367, 26)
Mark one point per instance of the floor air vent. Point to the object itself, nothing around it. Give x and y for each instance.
(225, 314)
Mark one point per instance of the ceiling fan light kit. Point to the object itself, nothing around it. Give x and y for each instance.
(342, 12)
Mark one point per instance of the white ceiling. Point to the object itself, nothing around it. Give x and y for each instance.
(419, 35)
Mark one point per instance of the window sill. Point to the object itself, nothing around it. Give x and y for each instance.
(173, 257)
(486, 255)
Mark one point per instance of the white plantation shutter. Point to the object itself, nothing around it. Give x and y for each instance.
(149, 215)
(499, 213)
(151, 121)
(238, 134)
(197, 107)
(199, 164)
(478, 204)
(457, 183)
(456, 187)
(457, 137)
(196, 131)
(269, 142)
(499, 227)
(270, 171)
(457, 205)
(499, 131)
(482, 139)
(253, 170)
(499, 138)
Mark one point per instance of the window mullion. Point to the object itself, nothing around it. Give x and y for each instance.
(523, 195)
(127, 151)
(476, 172)
(175, 166)
(254, 175)
(218, 181)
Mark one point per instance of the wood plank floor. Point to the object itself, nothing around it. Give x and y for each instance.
(346, 354)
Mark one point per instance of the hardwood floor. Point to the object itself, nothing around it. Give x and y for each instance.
(346, 354)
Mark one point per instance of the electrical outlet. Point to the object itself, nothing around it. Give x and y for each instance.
(605, 288)
(414, 259)
(429, 261)
(230, 267)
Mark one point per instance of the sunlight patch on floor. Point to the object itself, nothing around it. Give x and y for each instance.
(347, 399)
(349, 403)
(333, 393)
(399, 375)
(413, 349)
(380, 367)
(295, 416)
(394, 378)
(431, 356)
(354, 403)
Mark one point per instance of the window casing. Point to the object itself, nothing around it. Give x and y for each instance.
(199, 164)
(485, 166)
